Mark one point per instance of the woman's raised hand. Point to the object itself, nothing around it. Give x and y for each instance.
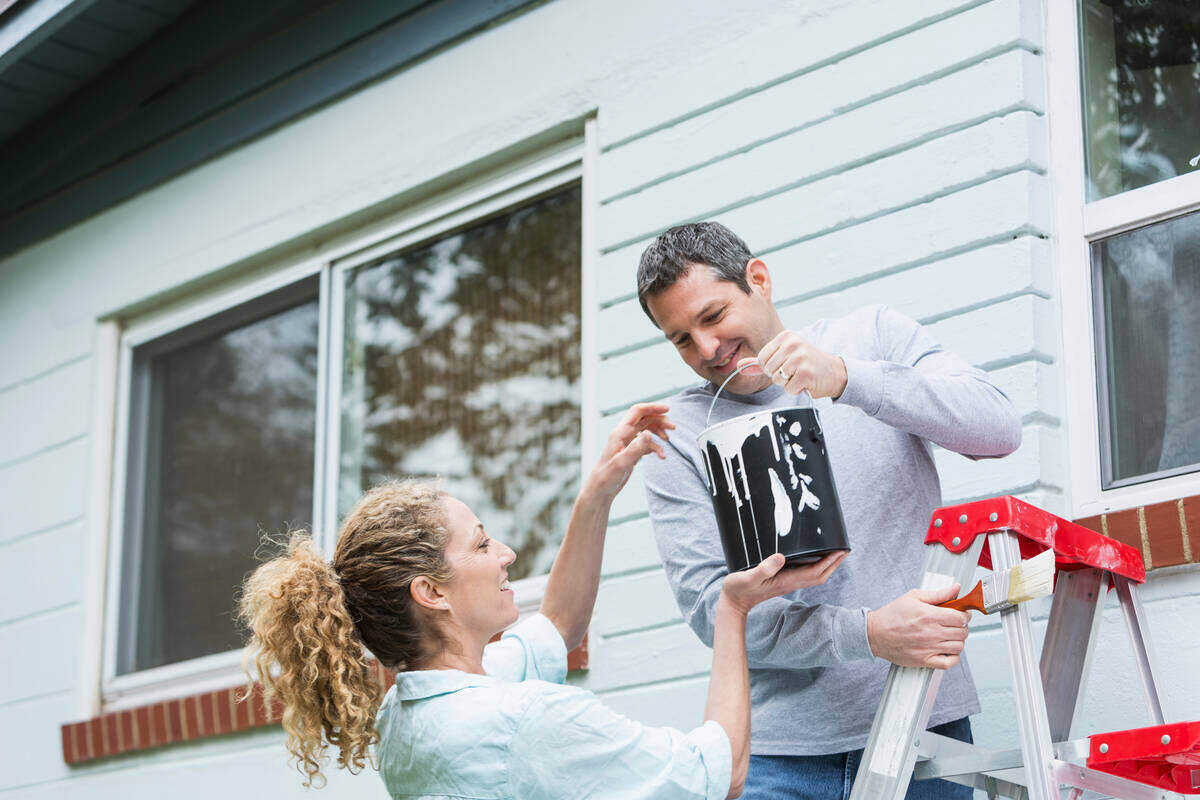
(630, 440)
(744, 590)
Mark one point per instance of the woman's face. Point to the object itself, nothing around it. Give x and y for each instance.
(477, 592)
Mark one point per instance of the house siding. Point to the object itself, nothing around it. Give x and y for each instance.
(869, 150)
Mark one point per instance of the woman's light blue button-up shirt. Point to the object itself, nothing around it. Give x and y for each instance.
(518, 733)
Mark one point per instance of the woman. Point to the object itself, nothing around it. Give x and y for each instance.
(416, 580)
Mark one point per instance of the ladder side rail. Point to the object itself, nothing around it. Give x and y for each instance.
(903, 712)
(1032, 718)
(1071, 634)
(1143, 650)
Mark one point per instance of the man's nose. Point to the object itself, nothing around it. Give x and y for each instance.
(707, 346)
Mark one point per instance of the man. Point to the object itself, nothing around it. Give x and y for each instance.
(818, 658)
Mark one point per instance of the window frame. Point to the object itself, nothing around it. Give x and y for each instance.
(1078, 224)
(571, 159)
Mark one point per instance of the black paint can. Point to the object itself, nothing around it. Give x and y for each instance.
(772, 487)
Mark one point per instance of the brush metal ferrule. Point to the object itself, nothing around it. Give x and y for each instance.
(995, 592)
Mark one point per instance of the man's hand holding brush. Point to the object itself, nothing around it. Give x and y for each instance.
(928, 627)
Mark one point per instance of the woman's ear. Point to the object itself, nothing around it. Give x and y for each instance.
(428, 594)
(758, 277)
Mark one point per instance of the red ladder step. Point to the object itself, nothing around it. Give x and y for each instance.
(1166, 756)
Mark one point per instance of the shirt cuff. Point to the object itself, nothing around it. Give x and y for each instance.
(850, 634)
(544, 648)
(717, 754)
(864, 385)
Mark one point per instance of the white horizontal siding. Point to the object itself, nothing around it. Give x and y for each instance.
(28, 588)
(47, 644)
(44, 412)
(44, 491)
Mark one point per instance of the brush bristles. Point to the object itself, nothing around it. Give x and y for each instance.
(1032, 578)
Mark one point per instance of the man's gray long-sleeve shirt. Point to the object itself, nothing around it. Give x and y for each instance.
(814, 683)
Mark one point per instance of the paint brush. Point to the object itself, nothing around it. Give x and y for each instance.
(1006, 588)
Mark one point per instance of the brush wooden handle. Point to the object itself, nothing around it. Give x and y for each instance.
(972, 600)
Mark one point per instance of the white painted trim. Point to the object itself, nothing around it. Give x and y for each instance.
(106, 359)
(460, 210)
(170, 682)
(156, 324)
(112, 604)
(1077, 222)
(331, 473)
(1140, 207)
(589, 346)
(321, 416)
(1074, 289)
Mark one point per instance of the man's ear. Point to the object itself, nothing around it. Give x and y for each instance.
(428, 594)
(758, 277)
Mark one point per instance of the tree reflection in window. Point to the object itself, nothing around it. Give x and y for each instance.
(1141, 67)
(462, 361)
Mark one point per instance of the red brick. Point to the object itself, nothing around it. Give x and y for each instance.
(174, 721)
(208, 716)
(142, 729)
(191, 713)
(112, 736)
(68, 744)
(1091, 523)
(79, 737)
(100, 735)
(1166, 538)
(95, 735)
(158, 717)
(126, 737)
(241, 709)
(1123, 526)
(578, 658)
(258, 715)
(223, 700)
(275, 711)
(1191, 518)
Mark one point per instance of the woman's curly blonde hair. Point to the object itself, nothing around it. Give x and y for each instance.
(309, 621)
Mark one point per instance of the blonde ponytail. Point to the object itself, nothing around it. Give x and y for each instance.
(296, 611)
(309, 621)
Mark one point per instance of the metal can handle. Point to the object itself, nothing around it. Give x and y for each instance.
(721, 388)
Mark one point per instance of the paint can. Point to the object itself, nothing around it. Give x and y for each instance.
(772, 487)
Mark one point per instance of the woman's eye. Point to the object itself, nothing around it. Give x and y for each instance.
(484, 544)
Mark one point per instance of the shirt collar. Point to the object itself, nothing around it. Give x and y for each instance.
(422, 683)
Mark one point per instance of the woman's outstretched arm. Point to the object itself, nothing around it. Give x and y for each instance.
(729, 683)
(575, 576)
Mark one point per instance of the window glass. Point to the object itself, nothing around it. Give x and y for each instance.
(221, 449)
(1148, 314)
(1141, 70)
(462, 362)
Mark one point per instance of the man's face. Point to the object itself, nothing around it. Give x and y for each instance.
(714, 324)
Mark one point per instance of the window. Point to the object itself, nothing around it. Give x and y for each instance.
(1141, 68)
(462, 361)
(1148, 313)
(444, 341)
(223, 419)
(1125, 160)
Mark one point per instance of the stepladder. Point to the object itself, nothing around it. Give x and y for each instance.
(1157, 762)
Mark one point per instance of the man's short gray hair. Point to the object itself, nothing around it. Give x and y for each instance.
(676, 251)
